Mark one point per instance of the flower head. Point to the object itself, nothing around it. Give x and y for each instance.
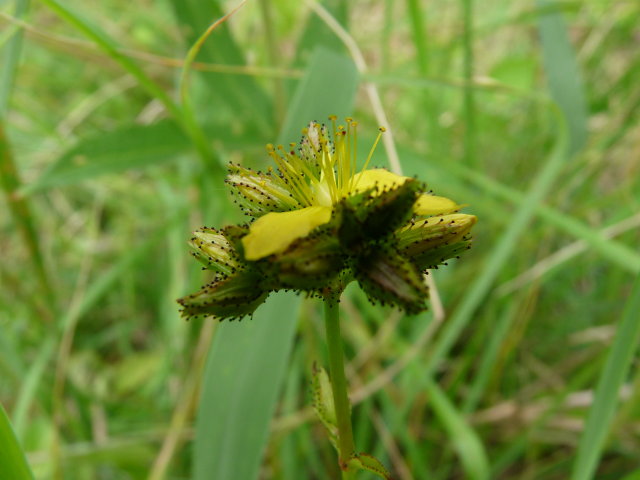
(319, 223)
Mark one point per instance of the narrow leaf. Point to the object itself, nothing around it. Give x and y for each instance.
(611, 379)
(13, 464)
(333, 78)
(465, 440)
(128, 147)
(244, 372)
(563, 75)
(241, 94)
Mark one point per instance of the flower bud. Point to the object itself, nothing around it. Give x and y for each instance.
(232, 297)
(432, 241)
(214, 250)
(258, 193)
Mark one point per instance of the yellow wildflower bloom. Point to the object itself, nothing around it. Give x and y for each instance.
(317, 176)
(319, 223)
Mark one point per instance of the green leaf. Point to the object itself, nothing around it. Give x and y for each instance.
(612, 378)
(9, 61)
(367, 462)
(248, 361)
(128, 147)
(13, 464)
(243, 376)
(333, 79)
(563, 75)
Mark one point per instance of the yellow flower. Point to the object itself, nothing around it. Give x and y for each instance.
(320, 223)
(307, 186)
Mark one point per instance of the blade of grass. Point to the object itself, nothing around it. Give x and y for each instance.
(247, 362)
(128, 147)
(21, 212)
(10, 59)
(469, 91)
(242, 96)
(465, 440)
(13, 464)
(334, 91)
(243, 376)
(563, 75)
(612, 377)
(430, 108)
(419, 37)
(488, 361)
(275, 58)
(183, 86)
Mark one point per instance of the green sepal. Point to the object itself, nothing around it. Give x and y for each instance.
(423, 235)
(309, 263)
(322, 402)
(434, 257)
(391, 279)
(372, 215)
(226, 298)
(364, 461)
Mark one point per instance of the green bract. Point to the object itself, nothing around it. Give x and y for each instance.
(318, 225)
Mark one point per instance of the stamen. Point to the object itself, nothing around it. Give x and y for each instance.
(381, 130)
(291, 177)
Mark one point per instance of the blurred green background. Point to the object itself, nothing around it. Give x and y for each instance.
(111, 155)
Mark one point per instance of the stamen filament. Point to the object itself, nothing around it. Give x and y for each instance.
(381, 130)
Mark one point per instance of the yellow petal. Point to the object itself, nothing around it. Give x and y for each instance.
(384, 179)
(274, 232)
(433, 205)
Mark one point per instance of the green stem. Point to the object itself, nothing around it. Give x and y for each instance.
(346, 446)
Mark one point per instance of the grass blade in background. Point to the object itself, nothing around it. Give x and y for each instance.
(248, 361)
(612, 378)
(243, 97)
(243, 375)
(469, 90)
(321, 93)
(466, 442)
(10, 59)
(13, 464)
(21, 212)
(316, 33)
(128, 147)
(563, 75)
